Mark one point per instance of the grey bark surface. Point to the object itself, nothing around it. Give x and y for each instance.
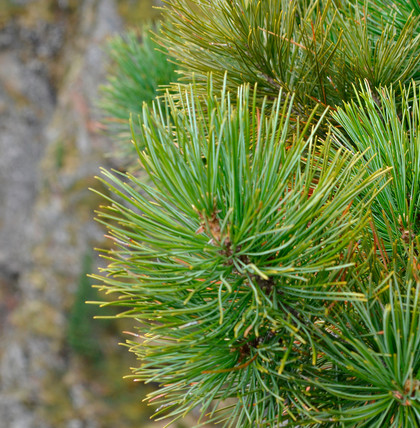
(49, 151)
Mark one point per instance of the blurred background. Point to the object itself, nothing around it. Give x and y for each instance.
(58, 366)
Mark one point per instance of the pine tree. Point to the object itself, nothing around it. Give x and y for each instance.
(271, 263)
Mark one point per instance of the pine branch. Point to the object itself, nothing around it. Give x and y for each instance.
(390, 131)
(139, 71)
(371, 373)
(315, 49)
(272, 265)
(242, 242)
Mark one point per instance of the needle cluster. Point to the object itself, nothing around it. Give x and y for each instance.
(271, 264)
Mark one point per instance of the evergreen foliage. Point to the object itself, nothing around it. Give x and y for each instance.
(374, 125)
(374, 347)
(81, 334)
(272, 262)
(139, 68)
(316, 49)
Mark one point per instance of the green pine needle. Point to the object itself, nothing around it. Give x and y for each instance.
(224, 262)
(375, 125)
(139, 69)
